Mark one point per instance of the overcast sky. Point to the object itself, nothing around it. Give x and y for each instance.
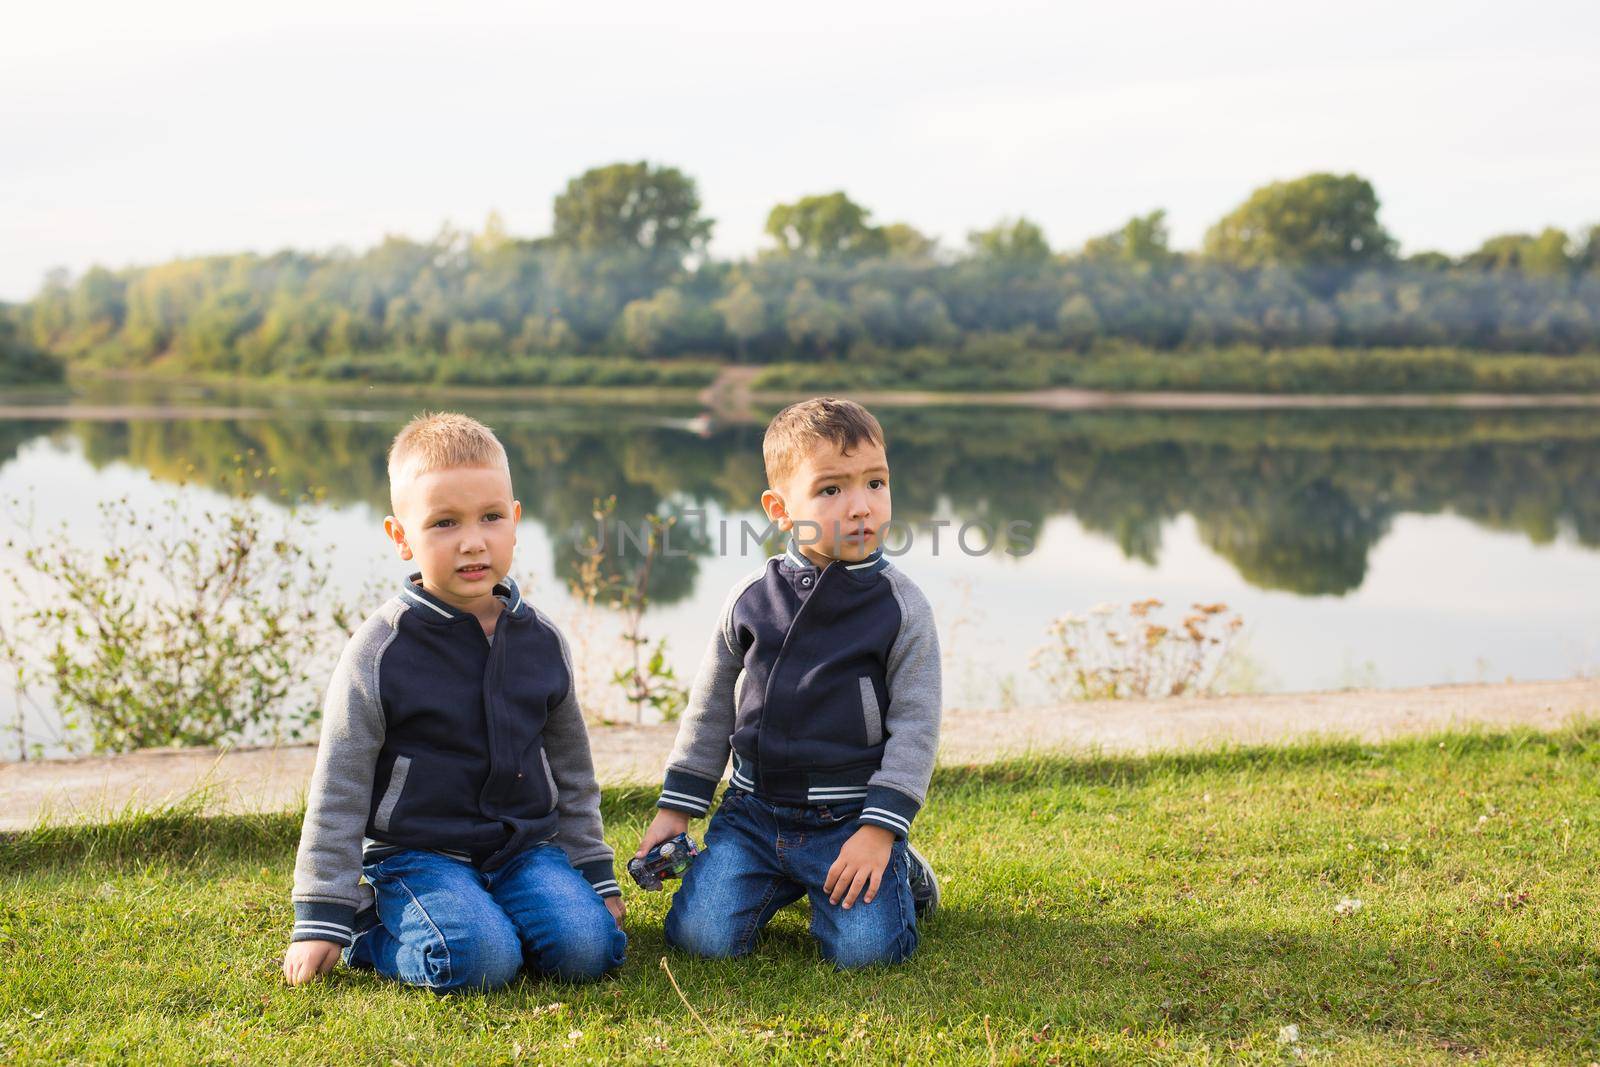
(132, 133)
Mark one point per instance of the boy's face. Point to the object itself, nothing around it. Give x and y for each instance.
(460, 527)
(840, 503)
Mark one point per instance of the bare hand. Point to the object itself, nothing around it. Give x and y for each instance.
(617, 909)
(306, 960)
(859, 866)
(664, 827)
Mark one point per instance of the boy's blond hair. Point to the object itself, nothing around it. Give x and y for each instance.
(795, 431)
(440, 440)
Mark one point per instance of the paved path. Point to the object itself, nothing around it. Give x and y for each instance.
(265, 779)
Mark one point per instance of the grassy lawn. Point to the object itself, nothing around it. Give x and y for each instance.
(1165, 909)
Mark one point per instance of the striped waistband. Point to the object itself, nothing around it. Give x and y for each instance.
(820, 787)
(372, 851)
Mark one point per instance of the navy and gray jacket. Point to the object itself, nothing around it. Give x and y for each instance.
(825, 686)
(436, 737)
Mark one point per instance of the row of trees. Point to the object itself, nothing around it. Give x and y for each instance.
(625, 272)
(22, 363)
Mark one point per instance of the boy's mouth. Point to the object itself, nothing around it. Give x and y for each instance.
(473, 570)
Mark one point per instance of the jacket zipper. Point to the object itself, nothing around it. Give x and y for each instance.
(772, 673)
(492, 685)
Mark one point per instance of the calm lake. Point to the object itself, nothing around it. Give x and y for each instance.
(1392, 547)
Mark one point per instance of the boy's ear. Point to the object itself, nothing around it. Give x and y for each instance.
(516, 512)
(772, 503)
(397, 534)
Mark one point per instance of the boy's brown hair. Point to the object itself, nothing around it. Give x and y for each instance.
(440, 440)
(795, 431)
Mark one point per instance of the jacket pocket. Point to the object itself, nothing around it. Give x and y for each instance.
(391, 795)
(870, 715)
(549, 777)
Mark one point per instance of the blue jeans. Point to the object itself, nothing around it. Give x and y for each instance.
(761, 857)
(446, 925)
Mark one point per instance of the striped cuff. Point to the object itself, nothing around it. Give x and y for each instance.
(688, 793)
(599, 873)
(316, 920)
(890, 809)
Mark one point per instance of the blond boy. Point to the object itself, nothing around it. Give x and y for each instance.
(454, 770)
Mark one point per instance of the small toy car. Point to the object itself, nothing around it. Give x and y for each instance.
(667, 860)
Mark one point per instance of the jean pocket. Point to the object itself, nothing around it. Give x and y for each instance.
(842, 811)
(386, 868)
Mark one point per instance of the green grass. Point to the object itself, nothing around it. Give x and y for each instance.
(1173, 908)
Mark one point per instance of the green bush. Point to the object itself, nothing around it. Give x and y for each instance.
(193, 625)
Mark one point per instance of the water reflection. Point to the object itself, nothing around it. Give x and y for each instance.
(1294, 500)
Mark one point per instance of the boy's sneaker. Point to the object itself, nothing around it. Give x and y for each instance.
(924, 884)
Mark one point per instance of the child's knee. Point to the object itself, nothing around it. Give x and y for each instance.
(882, 932)
(588, 949)
(851, 953)
(698, 933)
(486, 958)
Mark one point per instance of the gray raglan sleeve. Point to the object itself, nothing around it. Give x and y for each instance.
(327, 870)
(579, 830)
(897, 790)
(700, 754)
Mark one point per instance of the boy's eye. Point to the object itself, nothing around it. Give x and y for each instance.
(878, 483)
(493, 515)
(828, 490)
(444, 522)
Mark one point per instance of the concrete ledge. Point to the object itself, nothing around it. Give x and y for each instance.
(94, 788)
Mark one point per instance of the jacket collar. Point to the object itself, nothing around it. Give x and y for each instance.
(795, 560)
(439, 611)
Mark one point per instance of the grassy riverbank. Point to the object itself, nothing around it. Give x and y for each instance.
(1172, 908)
(735, 392)
(1295, 371)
